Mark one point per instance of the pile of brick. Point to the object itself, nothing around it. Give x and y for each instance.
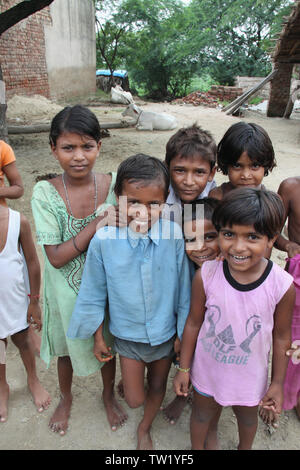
(199, 98)
(212, 98)
(226, 93)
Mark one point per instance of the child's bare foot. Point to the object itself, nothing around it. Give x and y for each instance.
(173, 411)
(115, 414)
(269, 417)
(4, 394)
(60, 418)
(144, 439)
(40, 396)
(34, 341)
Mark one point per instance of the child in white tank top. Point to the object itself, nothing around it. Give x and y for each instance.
(19, 305)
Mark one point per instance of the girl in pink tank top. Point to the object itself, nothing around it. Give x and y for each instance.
(241, 309)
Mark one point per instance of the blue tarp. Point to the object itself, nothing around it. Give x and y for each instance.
(117, 73)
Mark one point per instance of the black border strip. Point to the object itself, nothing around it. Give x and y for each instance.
(251, 285)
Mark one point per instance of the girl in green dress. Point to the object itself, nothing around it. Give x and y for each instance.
(66, 212)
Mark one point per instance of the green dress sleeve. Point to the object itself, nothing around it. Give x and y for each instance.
(48, 231)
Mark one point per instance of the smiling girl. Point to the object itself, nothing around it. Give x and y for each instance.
(241, 307)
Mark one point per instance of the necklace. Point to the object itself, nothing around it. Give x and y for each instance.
(67, 195)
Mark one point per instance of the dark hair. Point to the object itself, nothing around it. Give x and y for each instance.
(141, 167)
(248, 206)
(245, 137)
(77, 119)
(209, 205)
(189, 142)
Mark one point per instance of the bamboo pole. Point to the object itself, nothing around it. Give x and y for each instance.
(241, 99)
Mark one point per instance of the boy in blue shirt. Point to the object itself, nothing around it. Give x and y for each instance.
(142, 271)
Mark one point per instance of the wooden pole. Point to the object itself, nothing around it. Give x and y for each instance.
(241, 99)
(36, 128)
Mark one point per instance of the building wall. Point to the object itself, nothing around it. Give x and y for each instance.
(71, 48)
(51, 53)
(22, 54)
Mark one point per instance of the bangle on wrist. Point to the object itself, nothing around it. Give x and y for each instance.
(36, 296)
(75, 246)
(183, 370)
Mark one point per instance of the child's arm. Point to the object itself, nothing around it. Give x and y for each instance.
(62, 253)
(59, 255)
(281, 343)
(15, 188)
(34, 273)
(190, 335)
(292, 248)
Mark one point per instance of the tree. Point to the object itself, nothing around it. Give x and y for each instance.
(152, 48)
(8, 19)
(163, 43)
(109, 32)
(233, 37)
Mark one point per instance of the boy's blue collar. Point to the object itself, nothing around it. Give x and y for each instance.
(154, 234)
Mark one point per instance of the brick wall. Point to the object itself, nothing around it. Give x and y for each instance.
(280, 90)
(225, 93)
(246, 83)
(22, 54)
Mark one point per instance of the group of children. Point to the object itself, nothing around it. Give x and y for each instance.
(157, 264)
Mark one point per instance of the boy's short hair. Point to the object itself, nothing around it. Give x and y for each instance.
(248, 206)
(141, 167)
(189, 142)
(245, 137)
(190, 211)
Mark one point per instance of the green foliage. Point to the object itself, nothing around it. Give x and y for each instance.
(255, 100)
(202, 83)
(165, 45)
(232, 37)
(153, 49)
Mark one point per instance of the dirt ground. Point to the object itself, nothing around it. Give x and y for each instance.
(26, 429)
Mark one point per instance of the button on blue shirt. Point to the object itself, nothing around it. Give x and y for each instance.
(145, 279)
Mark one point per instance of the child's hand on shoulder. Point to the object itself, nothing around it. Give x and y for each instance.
(112, 216)
(34, 315)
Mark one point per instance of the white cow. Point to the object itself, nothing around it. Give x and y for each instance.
(118, 95)
(149, 121)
